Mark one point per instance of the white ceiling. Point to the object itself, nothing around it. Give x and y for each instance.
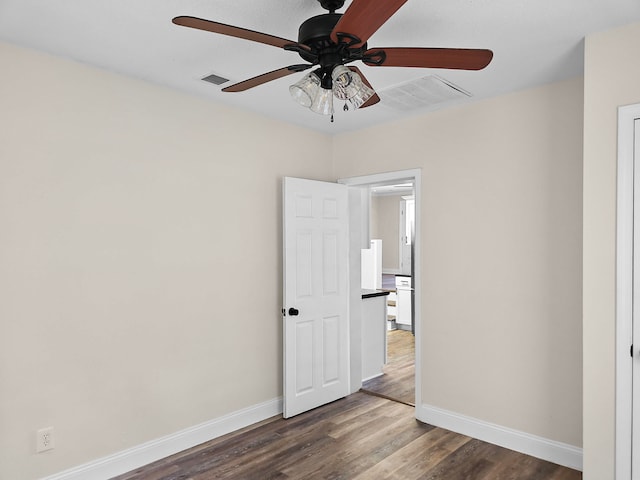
(534, 42)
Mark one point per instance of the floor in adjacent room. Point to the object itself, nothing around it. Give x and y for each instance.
(398, 381)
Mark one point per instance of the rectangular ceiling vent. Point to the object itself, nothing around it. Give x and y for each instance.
(420, 93)
(215, 79)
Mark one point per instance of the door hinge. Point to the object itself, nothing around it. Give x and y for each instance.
(283, 312)
(631, 350)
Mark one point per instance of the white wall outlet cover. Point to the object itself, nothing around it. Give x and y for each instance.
(44, 439)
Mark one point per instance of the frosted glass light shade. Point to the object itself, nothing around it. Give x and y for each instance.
(305, 90)
(347, 85)
(323, 102)
(364, 94)
(344, 82)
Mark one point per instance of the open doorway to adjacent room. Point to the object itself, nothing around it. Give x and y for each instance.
(392, 229)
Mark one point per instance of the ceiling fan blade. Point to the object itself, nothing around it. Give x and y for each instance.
(266, 77)
(452, 58)
(363, 18)
(374, 98)
(230, 30)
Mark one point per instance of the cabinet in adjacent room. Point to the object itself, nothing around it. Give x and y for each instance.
(403, 302)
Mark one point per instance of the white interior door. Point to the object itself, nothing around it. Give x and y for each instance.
(628, 296)
(316, 322)
(635, 442)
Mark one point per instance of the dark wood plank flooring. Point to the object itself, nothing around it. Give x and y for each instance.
(398, 381)
(360, 437)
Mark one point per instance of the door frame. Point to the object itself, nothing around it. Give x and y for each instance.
(359, 199)
(627, 116)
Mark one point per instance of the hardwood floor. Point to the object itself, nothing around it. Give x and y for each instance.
(398, 381)
(360, 437)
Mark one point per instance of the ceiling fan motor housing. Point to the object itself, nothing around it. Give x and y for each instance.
(331, 5)
(316, 34)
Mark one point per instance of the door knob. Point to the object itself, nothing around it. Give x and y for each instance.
(293, 311)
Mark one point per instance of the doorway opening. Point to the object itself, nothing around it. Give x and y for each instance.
(390, 204)
(392, 224)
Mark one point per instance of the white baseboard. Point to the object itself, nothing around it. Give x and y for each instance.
(373, 376)
(130, 459)
(545, 449)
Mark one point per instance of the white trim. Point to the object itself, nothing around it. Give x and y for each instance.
(372, 377)
(414, 175)
(539, 447)
(624, 289)
(132, 458)
(385, 177)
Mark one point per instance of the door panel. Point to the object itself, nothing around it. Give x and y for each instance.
(304, 357)
(331, 354)
(316, 355)
(303, 254)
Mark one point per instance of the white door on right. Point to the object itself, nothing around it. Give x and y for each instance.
(635, 441)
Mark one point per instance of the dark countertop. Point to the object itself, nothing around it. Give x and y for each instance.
(374, 293)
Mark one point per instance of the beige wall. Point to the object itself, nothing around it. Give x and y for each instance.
(385, 225)
(501, 253)
(120, 247)
(140, 259)
(612, 79)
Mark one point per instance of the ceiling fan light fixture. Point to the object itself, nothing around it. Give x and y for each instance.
(305, 91)
(348, 85)
(345, 82)
(323, 102)
(364, 93)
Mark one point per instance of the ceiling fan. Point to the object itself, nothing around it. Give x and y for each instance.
(333, 40)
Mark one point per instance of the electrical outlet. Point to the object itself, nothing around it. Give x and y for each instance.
(44, 439)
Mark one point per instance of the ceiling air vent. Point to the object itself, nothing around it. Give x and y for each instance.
(215, 79)
(420, 93)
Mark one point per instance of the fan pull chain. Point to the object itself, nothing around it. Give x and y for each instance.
(346, 107)
(332, 118)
